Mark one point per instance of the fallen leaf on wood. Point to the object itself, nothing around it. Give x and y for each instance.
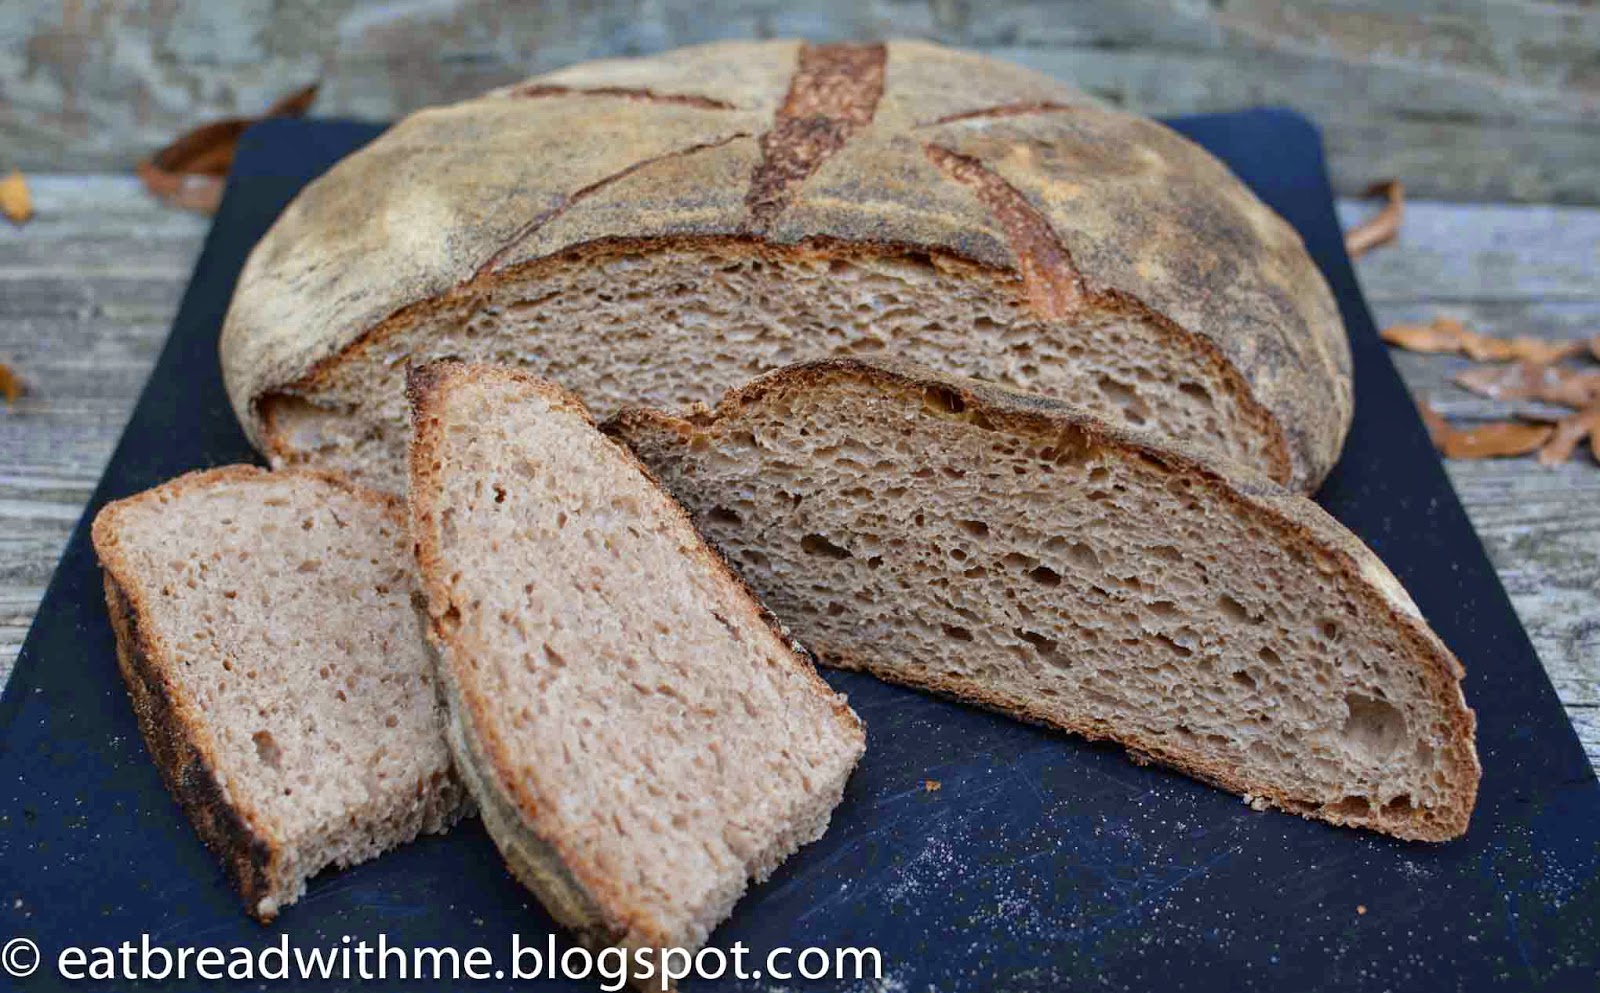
(190, 172)
(1567, 434)
(1486, 441)
(1446, 334)
(11, 386)
(1533, 381)
(1382, 227)
(1496, 439)
(15, 200)
(1482, 348)
(1443, 335)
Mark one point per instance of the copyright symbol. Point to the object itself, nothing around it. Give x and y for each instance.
(19, 958)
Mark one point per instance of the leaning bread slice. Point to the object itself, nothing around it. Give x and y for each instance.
(1016, 552)
(641, 740)
(278, 665)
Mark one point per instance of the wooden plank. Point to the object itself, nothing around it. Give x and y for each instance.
(1449, 255)
(86, 339)
(1491, 100)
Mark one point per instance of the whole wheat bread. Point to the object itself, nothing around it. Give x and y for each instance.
(712, 213)
(277, 663)
(1020, 553)
(642, 742)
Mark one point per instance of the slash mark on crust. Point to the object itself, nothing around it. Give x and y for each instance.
(544, 217)
(1002, 110)
(1054, 287)
(622, 92)
(833, 94)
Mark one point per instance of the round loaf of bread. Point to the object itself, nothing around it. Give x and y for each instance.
(657, 230)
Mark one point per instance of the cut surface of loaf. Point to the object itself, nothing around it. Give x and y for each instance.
(267, 631)
(721, 211)
(1019, 553)
(642, 741)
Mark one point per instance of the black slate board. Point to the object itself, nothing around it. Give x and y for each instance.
(1043, 862)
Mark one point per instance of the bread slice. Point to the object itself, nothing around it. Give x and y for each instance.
(641, 739)
(1016, 552)
(277, 663)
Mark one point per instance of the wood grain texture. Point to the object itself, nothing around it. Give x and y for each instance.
(1482, 99)
(89, 288)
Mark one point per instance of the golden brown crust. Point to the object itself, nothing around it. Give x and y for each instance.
(173, 730)
(1302, 524)
(704, 143)
(580, 894)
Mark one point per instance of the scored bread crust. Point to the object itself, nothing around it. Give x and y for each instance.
(597, 908)
(1303, 523)
(930, 154)
(176, 733)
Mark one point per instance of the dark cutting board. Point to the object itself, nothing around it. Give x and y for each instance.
(1043, 863)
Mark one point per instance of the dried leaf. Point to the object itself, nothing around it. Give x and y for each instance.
(190, 172)
(932, 785)
(11, 385)
(1567, 434)
(1382, 227)
(1533, 381)
(1522, 348)
(1443, 335)
(1446, 334)
(1496, 439)
(1486, 441)
(15, 200)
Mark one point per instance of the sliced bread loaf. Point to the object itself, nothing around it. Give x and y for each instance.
(1016, 552)
(277, 663)
(723, 210)
(642, 741)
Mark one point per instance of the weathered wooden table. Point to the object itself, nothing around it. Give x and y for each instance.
(88, 289)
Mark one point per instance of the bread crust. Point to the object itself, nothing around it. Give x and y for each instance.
(597, 908)
(255, 861)
(182, 753)
(454, 200)
(1302, 523)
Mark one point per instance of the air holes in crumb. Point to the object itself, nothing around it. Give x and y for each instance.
(1045, 646)
(1400, 806)
(1195, 391)
(1328, 630)
(267, 749)
(722, 515)
(1083, 556)
(1125, 397)
(1233, 610)
(816, 544)
(1351, 806)
(1374, 727)
(1269, 656)
(391, 721)
(943, 400)
(957, 633)
(1045, 576)
(1181, 651)
(978, 529)
(1072, 447)
(1244, 679)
